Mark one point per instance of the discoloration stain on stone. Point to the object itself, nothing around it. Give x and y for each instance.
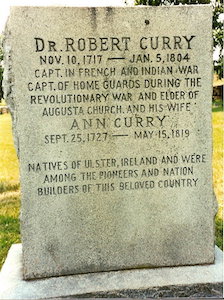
(109, 11)
(9, 83)
(109, 14)
(93, 17)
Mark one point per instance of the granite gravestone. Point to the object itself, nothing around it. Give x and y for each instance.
(112, 122)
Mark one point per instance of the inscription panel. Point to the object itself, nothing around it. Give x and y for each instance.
(114, 127)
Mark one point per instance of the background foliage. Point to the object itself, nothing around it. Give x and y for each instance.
(218, 10)
(1, 74)
(218, 36)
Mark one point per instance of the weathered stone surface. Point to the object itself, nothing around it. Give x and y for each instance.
(113, 122)
(190, 281)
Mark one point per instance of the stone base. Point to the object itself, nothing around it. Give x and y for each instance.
(189, 281)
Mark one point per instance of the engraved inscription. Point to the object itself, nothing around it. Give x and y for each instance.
(112, 88)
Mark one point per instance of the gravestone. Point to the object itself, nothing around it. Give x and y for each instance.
(112, 122)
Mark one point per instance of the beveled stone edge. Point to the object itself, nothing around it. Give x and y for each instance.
(130, 283)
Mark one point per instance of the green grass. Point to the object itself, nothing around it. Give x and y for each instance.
(217, 109)
(218, 156)
(219, 232)
(217, 105)
(9, 189)
(218, 160)
(9, 166)
(9, 221)
(10, 194)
